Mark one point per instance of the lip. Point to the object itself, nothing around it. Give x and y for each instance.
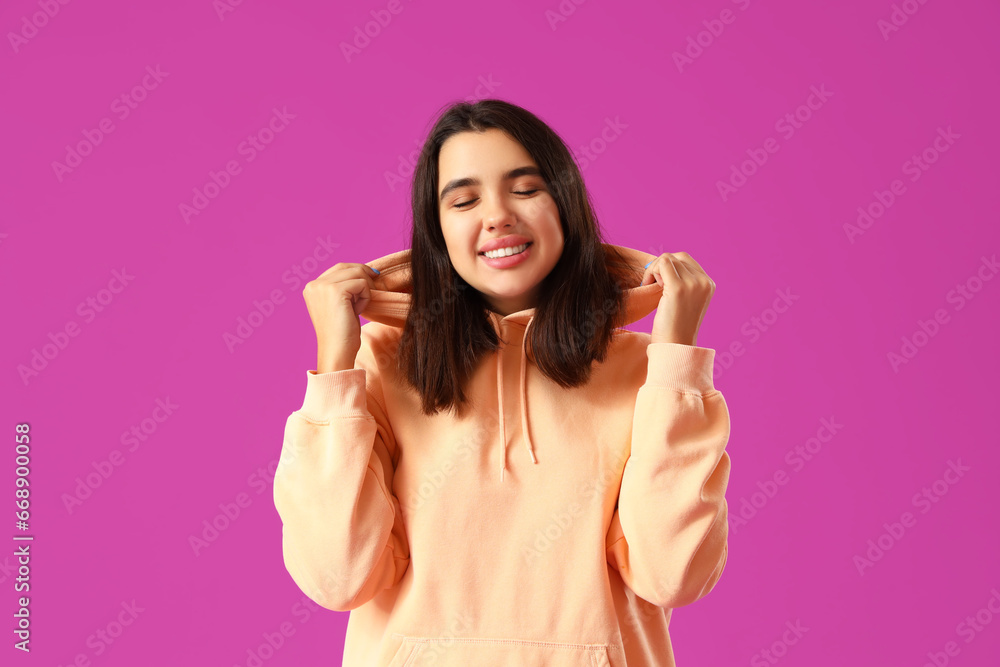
(510, 261)
(504, 242)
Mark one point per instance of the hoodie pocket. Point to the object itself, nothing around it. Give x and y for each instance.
(485, 652)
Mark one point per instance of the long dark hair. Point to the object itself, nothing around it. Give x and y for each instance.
(448, 332)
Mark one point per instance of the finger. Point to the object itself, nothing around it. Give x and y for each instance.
(690, 262)
(647, 274)
(342, 270)
(686, 272)
(696, 271)
(671, 268)
(333, 270)
(358, 292)
(653, 272)
(660, 269)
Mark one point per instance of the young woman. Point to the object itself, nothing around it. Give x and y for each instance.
(493, 470)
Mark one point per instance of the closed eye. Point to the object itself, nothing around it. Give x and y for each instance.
(521, 192)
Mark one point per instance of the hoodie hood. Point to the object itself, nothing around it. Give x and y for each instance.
(392, 296)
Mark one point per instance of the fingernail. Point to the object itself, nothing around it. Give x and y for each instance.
(375, 270)
(648, 263)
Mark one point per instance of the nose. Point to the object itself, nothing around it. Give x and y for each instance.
(497, 215)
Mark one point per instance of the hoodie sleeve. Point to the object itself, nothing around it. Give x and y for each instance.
(343, 539)
(669, 534)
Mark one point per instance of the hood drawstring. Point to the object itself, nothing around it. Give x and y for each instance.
(524, 401)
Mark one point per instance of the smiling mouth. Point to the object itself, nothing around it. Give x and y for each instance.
(506, 252)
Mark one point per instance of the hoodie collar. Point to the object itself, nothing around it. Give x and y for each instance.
(390, 302)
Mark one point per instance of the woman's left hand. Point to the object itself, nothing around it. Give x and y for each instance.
(687, 291)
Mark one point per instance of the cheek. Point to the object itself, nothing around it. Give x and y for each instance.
(452, 240)
(459, 250)
(555, 232)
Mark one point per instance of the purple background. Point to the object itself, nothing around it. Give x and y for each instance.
(338, 171)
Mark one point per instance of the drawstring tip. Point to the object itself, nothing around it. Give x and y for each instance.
(532, 454)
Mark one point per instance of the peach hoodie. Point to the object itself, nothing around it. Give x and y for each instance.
(549, 526)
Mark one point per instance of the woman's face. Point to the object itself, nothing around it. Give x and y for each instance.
(489, 190)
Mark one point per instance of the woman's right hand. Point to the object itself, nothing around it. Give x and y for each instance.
(335, 300)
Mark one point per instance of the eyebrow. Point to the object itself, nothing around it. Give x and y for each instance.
(463, 182)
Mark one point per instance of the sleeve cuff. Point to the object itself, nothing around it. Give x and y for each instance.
(681, 367)
(335, 394)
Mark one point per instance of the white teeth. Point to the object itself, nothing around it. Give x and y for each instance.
(506, 252)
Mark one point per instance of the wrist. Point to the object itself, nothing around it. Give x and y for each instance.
(326, 363)
(674, 340)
